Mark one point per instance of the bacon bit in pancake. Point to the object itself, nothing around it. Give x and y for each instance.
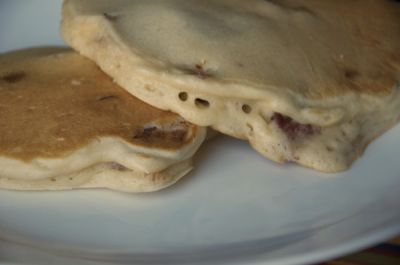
(14, 77)
(351, 74)
(108, 97)
(288, 7)
(292, 128)
(110, 17)
(153, 134)
(178, 135)
(198, 71)
(118, 166)
(147, 132)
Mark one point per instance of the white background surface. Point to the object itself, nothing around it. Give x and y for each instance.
(235, 208)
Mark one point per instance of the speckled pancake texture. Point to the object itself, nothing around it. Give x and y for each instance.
(65, 124)
(309, 81)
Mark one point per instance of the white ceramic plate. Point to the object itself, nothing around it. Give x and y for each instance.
(235, 208)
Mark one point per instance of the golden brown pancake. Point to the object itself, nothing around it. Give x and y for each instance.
(66, 124)
(309, 81)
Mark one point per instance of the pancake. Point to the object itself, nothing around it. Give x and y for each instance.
(309, 81)
(65, 124)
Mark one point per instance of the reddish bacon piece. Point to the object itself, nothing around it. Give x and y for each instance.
(292, 128)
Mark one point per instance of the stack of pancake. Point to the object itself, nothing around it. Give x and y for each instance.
(305, 81)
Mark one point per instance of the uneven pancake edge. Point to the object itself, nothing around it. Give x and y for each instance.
(62, 101)
(104, 161)
(331, 135)
(103, 176)
(109, 20)
(103, 150)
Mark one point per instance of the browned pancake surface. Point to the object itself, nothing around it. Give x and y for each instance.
(53, 102)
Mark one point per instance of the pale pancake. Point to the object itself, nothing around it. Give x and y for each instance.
(106, 175)
(310, 81)
(65, 124)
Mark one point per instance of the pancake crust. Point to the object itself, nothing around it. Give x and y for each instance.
(310, 81)
(53, 102)
(65, 125)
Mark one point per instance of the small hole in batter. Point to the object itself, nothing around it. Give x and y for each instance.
(183, 96)
(202, 103)
(246, 108)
